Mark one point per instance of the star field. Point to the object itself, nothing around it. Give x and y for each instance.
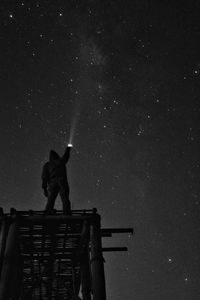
(121, 79)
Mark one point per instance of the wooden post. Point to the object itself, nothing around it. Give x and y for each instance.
(97, 261)
(10, 262)
(17, 278)
(83, 257)
(85, 277)
(3, 235)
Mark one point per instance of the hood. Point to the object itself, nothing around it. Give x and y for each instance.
(53, 155)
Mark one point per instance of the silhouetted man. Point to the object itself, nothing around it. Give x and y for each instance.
(54, 180)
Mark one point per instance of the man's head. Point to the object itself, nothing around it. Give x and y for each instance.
(53, 155)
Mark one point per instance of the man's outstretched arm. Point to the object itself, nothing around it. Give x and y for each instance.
(66, 155)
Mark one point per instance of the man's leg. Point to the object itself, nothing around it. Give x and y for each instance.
(64, 194)
(52, 194)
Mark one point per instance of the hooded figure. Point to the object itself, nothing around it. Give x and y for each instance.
(54, 180)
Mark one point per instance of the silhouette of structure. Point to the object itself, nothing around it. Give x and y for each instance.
(52, 257)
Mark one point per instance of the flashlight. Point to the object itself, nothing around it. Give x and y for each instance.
(70, 145)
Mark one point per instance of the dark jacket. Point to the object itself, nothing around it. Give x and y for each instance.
(55, 169)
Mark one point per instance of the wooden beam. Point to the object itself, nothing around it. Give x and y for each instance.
(111, 249)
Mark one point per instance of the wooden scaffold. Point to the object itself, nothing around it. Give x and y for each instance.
(52, 257)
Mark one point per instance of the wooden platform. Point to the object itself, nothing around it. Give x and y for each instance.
(48, 257)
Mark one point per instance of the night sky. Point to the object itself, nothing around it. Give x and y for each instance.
(122, 78)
